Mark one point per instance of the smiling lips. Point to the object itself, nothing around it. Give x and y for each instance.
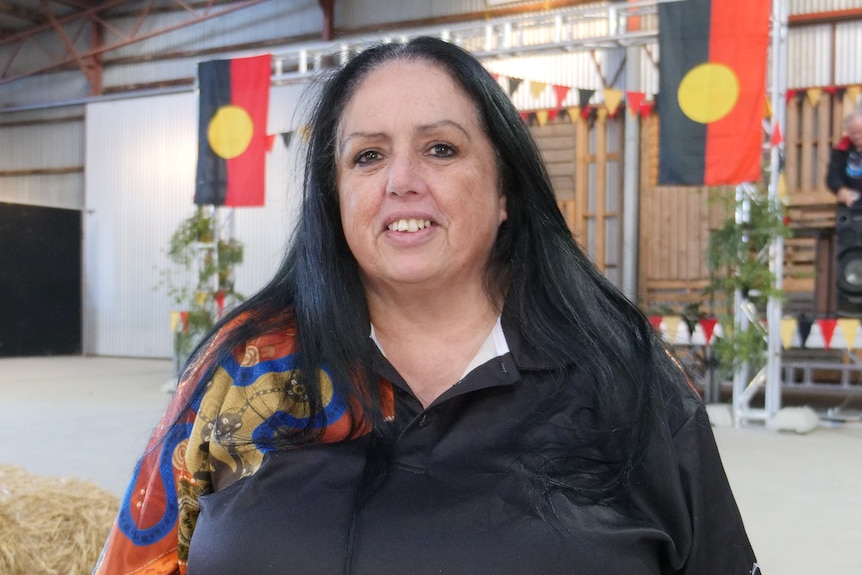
(411, 225)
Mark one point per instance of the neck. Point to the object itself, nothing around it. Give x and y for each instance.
(433, 312)
(431, 337)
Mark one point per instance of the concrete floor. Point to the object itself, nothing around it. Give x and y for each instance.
(800, 495)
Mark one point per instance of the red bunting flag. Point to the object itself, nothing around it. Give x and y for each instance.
(646, 109)
(635, 100)
(776, 138)
(708, 325)
(232, 138)
(712, 77)
(561, 92)
(827, 329)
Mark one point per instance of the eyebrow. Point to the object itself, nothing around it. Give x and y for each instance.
(423, 129)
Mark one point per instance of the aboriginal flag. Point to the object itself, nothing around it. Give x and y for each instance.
(712, 85)
(232, 140)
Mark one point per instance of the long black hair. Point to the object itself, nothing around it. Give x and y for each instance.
(564, 308)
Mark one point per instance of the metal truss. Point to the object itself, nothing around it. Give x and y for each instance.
(597, 27)
(52, 22)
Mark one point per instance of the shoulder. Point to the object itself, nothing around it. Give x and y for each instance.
(843, 145)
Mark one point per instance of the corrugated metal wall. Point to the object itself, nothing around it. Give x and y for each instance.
(140, 184)
(42, 158)
(816, 6)
(810, 55)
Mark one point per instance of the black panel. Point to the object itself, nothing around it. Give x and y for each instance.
(848, 231)
(40, 281)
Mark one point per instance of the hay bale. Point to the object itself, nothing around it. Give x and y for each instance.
(51, 526)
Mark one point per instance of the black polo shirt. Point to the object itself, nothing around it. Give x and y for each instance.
(456, 499)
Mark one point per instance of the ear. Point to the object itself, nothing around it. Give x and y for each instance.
(501, 208)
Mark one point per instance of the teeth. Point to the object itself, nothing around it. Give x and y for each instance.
(409, 225)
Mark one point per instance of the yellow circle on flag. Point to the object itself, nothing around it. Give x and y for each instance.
(708, 92)
(229, 132)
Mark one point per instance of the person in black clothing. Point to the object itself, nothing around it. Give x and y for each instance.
(437, 379)
(844, 177)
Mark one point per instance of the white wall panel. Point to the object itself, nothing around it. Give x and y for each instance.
(848, 48)
(815, 6)
(141, 157)
(49, 145)
(809, 56)
(51, 191)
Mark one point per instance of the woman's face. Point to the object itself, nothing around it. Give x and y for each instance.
(417, 180)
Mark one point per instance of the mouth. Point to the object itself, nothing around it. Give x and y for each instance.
(409, 225)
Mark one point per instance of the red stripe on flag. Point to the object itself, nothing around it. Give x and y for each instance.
(250, 91)
(739, 36)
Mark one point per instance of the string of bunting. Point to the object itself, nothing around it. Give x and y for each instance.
(848, 95)
(612, 99)
(802, 332)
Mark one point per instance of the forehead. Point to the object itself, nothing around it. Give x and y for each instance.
(408, 90)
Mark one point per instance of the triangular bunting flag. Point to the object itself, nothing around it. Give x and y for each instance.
(184, 317)
(671, 322)
(788, 330)
(827, 328)
(536, 88)
(612, 100)
(175, 321)
(525, 116)
(270, 140)
(791, 94)
(573, 112)
(511, 85)
(552, 114)
(584, 98)
(849, 328)
(853, 93)
(655, 321)
(286, 137)
(767, 107)
(542, 117)
(635, 100)
(776, 138)
(646, 108)
(804, 330)
(708, 325)
(220, 302)
(561, 92)
(813, 96)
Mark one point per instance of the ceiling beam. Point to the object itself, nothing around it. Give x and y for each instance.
(34, 17)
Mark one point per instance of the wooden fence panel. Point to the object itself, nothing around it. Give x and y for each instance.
(579, 174)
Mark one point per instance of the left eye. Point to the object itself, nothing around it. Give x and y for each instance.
(442, 150)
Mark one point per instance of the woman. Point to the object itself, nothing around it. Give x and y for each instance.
(437, 380)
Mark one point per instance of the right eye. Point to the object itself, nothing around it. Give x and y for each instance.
(366, 157)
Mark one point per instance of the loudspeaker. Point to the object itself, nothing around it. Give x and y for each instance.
(848, 231)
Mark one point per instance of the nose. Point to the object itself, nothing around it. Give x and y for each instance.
(404, 175)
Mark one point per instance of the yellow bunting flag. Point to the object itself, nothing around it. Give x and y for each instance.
(175, 321)
(789, 325)
(671, 323)
(574, 112)
(851, 97)
(201, 297)
(612, 100)
(542, 117)
(849, 328)
(536, 88)
(767, 108)
(813, 96)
